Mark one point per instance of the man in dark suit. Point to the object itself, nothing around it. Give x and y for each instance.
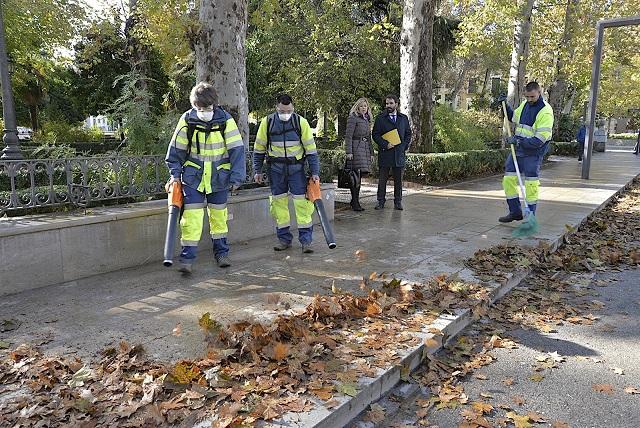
(391, 157)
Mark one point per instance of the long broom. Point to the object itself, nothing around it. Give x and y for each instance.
(529, 226)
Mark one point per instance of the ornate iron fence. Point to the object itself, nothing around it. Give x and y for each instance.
(36, 183)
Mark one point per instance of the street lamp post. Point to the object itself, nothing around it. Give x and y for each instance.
(10, 131)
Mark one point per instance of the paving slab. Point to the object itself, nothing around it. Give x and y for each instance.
(437, 231)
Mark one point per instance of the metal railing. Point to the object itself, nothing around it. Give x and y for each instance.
(26, 185)
(37, 183)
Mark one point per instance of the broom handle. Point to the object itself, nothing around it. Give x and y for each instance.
(513, 155)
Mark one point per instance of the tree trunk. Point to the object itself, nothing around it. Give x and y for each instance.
(486, 83)
(342, 124)
(461, 82)
(416, 70)
(568, 105)
(520, 52)
(220, 56)
(33, 115)
(558, 89)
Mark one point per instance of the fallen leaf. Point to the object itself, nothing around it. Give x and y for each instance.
(480, 376)
(350, 389)
(537, 377)
(331, 404)
(546, 328)
(376, 414)
(325, 393)
(177, 331)
(520, 421)
(80, 377)
(280, 351)
(559, 424)
(632, 390)
(482, 407)
(519, 400)
(603, 387)
(4, 345)
(508, 381)
(431, 343)
(536, 417)
(421, 413)
(557, 357)
(617, 370)
(486, 395)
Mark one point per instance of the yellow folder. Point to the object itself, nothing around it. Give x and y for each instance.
(392, 137)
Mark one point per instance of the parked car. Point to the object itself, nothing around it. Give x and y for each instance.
(24, 134)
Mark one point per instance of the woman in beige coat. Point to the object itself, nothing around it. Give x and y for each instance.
(357, 142)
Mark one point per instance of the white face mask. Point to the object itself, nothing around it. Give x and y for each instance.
(284, 116)
(205, 116)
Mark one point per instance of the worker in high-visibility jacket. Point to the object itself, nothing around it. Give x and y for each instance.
(285, 141)
(533, 121)
(207, 154)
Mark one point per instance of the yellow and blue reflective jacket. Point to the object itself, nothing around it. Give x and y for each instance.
(213, 158)
(281, 141)
(534, 124)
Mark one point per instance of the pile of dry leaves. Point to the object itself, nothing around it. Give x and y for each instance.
(251, 371)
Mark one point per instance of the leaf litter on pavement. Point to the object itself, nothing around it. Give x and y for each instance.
(608, 240)
(258, 372)
(251, 371)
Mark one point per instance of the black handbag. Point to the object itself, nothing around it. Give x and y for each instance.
(344, 179)
(348, 178)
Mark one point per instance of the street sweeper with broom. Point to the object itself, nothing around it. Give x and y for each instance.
(529, 143)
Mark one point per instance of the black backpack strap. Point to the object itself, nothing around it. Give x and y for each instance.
(295, 119)
(191, 129)
(270, 123)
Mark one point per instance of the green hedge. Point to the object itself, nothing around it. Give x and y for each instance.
(624, 136)
(564, 148)
(431, 168)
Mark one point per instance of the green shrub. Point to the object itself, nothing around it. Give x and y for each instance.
(429, 168)
(624, 136)
(564, 149)
(567, 128)
(488, 122)
(52, 150)
(54, 132)
(459, 132)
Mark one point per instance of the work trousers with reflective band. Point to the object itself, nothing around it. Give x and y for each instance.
(530, 170)
(284, 179)
(192, 221)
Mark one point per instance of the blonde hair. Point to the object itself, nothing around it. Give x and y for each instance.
(356, 106)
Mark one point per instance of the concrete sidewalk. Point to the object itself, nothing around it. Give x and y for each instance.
(437, 231)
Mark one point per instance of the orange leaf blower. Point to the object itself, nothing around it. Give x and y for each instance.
(315, 196)
(175, 207)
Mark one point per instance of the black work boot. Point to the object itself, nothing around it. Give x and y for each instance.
(510, 217)
(355, 199)
(282, 246)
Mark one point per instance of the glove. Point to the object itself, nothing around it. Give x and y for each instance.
(497, 103)
(513, 141)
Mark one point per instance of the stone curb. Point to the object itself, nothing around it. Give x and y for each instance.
(372, 390)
